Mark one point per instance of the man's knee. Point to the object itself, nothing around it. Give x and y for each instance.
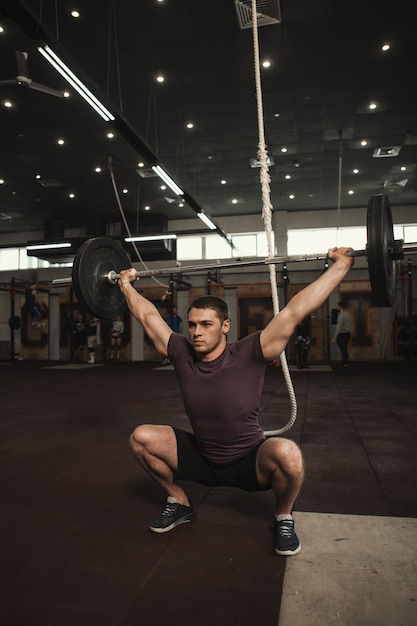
(285, 454)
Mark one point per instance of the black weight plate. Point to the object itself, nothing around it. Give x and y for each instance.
(380, 234)
(95, 258)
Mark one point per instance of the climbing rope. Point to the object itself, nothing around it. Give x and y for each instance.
(267, 219)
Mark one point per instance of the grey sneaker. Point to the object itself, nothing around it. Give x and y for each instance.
(286, 541)
(172, 515)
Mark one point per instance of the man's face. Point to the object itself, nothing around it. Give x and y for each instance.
(207, 333)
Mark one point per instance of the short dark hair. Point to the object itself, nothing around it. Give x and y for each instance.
(211, 302)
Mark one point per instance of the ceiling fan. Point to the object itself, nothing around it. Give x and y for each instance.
(24, 79)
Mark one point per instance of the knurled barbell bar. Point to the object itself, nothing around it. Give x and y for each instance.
(99, 261)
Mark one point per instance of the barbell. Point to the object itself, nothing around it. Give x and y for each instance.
(99, 261)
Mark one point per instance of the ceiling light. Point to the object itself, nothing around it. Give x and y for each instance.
(125, 190)
(364, 142)
(150, 238)
(168, 180)
(205, 218)
(38, 176)
(372, 106)
(189, 125)
(60, 141)
(351, 192)
(48, 246)
(110, 135)
(284, 149)
(291, 196)
(8, 104)
(141, 164)
(266, 63)
(75, 13)
(71, 195)
(355, 171)
(287, 177)
(75, 82)
(277, 114)
(403, 168)
(223, 182)
(97, 169)
(235, 201)
(160, 78)
(385, 47)
(2, 181)
(147, 208)
(2, 29)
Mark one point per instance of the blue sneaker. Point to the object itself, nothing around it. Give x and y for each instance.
(172, 515)
(286, 541)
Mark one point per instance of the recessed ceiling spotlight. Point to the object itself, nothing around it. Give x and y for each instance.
(223, 182)
(284, 149)
(385, 47)
(125, 190)
(266, 63)
(160, 78)
(97, 169)
(75, 13)
(403, 168)
(287, 176)
(163, 187)
(8, 104)
(291, 196)
(209, 157)
(2, 29)
(235, 201)
(372, 106)
(351, 192)
(147, 207)
(2, 181)
(181, 205)
(277, 114)
(60, 141)
(71, 195)
(141, 164)
(38, 176)
(189, 125)
(110, 135)
(355, 171)
(364, 142)
(67, 94)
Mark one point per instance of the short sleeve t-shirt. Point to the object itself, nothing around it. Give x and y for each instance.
(222, 397)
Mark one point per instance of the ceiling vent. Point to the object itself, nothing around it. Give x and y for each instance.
(256, 162)
(49, 183)
(268, 12)
(396, 184)
(146, 172)
(391, 151)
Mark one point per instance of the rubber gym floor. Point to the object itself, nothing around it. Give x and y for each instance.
(76, 548)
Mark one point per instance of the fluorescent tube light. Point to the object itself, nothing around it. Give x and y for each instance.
(150, 238)
(75, 82)
(205, 218)
(48, 246)
(167, 179)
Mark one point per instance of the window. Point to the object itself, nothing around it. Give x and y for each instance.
(189, 248)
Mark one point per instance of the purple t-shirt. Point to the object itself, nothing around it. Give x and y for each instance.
(222, 397)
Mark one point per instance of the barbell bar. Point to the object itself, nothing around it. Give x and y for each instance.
(99, 261)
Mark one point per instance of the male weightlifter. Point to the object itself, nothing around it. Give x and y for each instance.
(221, 385)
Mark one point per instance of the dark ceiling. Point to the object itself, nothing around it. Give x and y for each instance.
(327, 66)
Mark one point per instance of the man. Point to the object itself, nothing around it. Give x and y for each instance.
(34, 305)
(221, 384)
(342, 332)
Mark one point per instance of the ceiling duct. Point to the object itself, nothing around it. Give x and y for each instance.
(267, 11)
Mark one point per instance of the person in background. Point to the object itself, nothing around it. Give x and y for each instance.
(34, 306)
(92, 328)
(342, 331)
(117, 330)
(302, 342)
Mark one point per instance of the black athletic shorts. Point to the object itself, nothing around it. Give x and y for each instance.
(193, 466)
